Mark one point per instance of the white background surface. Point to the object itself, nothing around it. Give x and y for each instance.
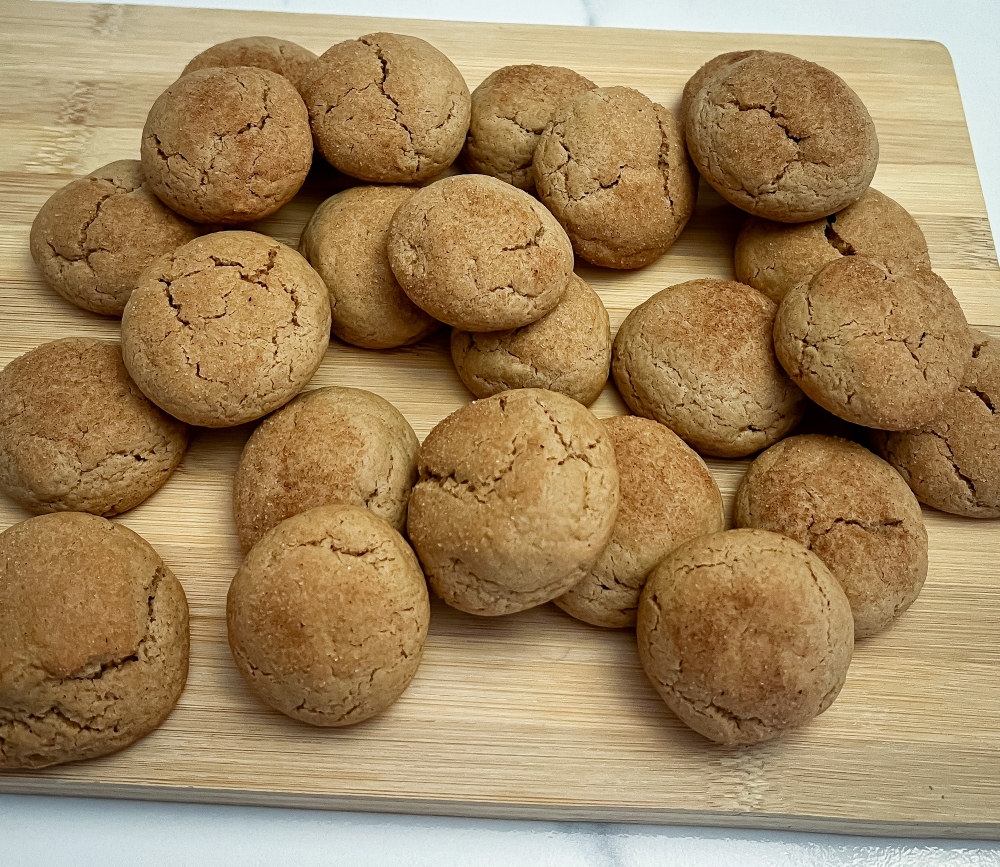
(45, 831)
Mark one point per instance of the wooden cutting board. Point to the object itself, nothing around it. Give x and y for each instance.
(533, 715)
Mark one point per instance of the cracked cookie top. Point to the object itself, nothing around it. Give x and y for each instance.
(745, 634)
(96, 235)
(781, 138)
(479, 254)
(328, 616)
(77, 434)
(226, 329)
(387, 108)
(227, 145)
(262, 52)
(613, 169)
(702, 75)
(93, 639)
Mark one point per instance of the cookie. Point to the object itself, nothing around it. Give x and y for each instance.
(953, 464)
(745, 634)
(775, 257)
(226, 329)
(227, 145)
(852, 510)
(698, 358)
(613, 169)
(93, 640)
(509, 112)
(702, 75)
(77, 435)
(330, 446)
(781, 138)
(479, 254)
(668, 496)
(516, 498)
(387, 108)
(567, 350)
(877, 348)
(262, 52)
(345, 241)
(328, 615)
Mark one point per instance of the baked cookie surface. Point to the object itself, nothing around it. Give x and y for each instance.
(263, 52)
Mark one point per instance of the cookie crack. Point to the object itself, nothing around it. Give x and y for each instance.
(381, 84)
(985, 398)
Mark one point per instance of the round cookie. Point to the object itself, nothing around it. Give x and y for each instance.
(262, 52)
(567, 350)
(345, 241)
(93, 640)
(227, 145)
(613, 169)
(509, 112)
(781, 138)
(877, 348)
(668, 496)
(745, 634)
(93, 237)
(226, 329)
(330, 446)
(852, 510)
(328, 615)
(953, 464)
(479, 254)
(702, 75)
(516, 498)
(776, 257)
(76, 434)
(387, 108)
(698, 358)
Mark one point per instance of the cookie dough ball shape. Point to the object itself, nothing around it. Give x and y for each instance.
(262, 52)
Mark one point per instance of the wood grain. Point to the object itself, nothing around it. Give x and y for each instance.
(533, 715)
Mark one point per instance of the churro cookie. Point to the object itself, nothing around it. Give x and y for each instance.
(76, 434)
(328, 615)
(698, 358)
(567, 350)
(263, 52)
(953, 464)
(516, 498)
(878, 348)
(227, 145)
(776, 257)
(93, 640)
(852, 510)
(387, 108)
(781, 138)
(479, 254)
(509, 112)
(226, 329)
(668, 496)
(345, 241)
(745, 634)
(94, 237)
(613, 169)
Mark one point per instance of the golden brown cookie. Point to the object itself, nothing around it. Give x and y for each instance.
(226, 329)
(953, 464)
(668, 496)
(613, 169)
(479, 254)
(328, 615)
(698, 358)
(852, 510)
(345, 241)
(516, 498)
(567, 350)
(387, 108)
(263, 52)
(76, 434)
(781, 138)
(227, 145)
(509, 112)
(703, 74)
(745, 634)
(93, 640)
(877, 348)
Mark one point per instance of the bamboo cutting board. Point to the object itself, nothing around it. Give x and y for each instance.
(533, 715)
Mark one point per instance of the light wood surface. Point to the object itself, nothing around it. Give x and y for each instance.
(533, 715)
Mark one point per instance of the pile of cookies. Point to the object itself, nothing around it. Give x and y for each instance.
(523, 496)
